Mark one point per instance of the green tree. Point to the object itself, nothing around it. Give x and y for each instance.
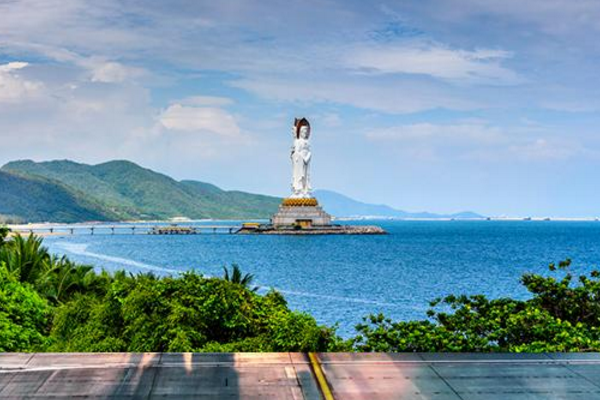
(24, 315)
(184, 313)
(56, 278)
(237, 277)
(25, 257)
(560, 316)
(62, 279)
(4, 231)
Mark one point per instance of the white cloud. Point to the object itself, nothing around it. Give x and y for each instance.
(12, 66)
(13, 87)
(266, 53)
(464, 134)
(555, 17)
(215, 101)
(478, 140)
(479, 66)
(398, 96)
(542, 149)
(98, 68)
(112, 72)
(331, 120)
(188, 118)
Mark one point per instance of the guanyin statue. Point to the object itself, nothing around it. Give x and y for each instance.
(300, 211)
(301, 156)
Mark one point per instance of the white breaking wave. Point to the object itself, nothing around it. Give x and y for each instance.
(336, 298)
(81, 250)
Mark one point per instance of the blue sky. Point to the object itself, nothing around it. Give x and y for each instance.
(437, 105)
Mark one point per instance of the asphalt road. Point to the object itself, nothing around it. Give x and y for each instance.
(291, 376)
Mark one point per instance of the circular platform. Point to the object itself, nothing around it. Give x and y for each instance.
(292, 202)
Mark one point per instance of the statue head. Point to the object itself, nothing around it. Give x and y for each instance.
(302, 128)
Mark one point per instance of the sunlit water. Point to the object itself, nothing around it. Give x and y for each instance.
(339, 279)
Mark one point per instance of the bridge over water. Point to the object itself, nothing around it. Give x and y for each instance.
(131, 229)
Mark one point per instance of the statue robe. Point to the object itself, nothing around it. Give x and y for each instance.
(300, 168)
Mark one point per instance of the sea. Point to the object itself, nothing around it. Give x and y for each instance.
(341, 279)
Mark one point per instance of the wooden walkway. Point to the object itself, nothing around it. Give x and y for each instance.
(434, 376)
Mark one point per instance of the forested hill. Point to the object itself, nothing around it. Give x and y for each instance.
(66, 191)
(37, 199)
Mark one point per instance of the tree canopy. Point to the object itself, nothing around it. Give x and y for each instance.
(50, 303)
(561, 315)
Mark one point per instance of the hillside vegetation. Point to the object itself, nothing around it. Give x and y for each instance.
(118, 190)
(24, 198)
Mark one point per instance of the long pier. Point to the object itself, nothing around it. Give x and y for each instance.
(128, 229)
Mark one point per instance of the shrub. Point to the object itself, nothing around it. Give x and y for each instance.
(560, 316)
(24, 315)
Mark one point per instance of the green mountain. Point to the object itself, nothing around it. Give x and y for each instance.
(37, 199)
(122, 190)
(343, 206)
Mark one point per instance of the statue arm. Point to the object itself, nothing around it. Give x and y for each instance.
(293, 146)
(306, 155)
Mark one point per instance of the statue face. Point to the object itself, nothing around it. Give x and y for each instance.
(304, 132)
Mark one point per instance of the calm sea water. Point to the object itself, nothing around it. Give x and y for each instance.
(339, 279)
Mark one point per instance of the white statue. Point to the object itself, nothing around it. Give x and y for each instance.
(301, 160)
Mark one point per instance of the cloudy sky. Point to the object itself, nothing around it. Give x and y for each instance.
(437, 105)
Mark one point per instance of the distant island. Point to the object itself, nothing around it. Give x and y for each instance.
(343, 206)
(67, 192)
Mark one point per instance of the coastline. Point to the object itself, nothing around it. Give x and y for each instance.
(50, 224)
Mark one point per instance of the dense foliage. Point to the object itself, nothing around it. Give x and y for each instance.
(52, 304)
(65, 191)
(23, 315)
(560, 316)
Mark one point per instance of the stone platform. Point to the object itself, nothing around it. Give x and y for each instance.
(298, 215)
(304, 216)
(269, 229)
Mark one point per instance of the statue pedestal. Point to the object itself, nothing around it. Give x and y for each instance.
(305, 217)
(301, 213)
